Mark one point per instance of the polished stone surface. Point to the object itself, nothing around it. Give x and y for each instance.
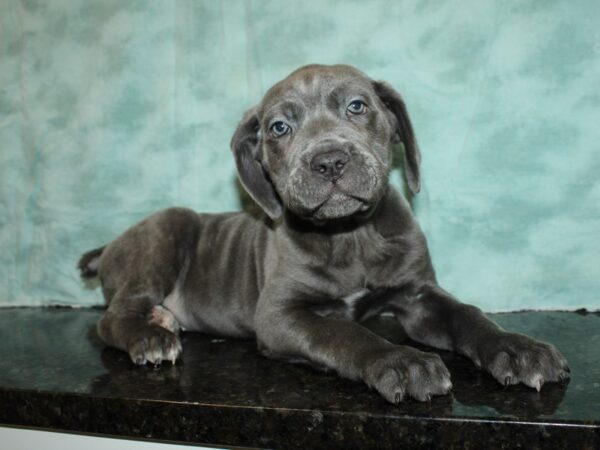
(54, 373)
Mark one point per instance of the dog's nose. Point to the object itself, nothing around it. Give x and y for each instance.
(330, 164)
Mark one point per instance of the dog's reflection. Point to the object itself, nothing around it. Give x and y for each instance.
(123, 379)
(231, 371)
(474, 388)
(214, 370)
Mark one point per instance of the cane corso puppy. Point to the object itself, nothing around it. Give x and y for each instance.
(336, 245)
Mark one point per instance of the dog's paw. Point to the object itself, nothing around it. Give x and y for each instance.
(516, 358)
(154, 344)
(402, 371)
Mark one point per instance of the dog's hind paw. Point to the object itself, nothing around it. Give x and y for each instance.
(516, 358)
(154, 344)
(402, 371)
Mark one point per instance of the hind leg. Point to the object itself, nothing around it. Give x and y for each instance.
(138, 270)
(149, 334)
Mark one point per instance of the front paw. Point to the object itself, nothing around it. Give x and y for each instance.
(401, 370)
(514, 358)
(154, 344)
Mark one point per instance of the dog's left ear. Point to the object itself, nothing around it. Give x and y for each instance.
(404, 133)
(245, 147)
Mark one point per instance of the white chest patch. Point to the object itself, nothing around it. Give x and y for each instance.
(351, 299)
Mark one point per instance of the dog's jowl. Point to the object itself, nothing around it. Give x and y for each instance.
(336, 244)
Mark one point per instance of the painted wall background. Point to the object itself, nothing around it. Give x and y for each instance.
(110, 110)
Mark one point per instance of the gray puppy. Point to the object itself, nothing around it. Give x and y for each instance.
(337, 245)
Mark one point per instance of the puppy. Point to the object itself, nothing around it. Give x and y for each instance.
(335, 246)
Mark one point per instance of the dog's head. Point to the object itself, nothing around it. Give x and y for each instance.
(320, 144)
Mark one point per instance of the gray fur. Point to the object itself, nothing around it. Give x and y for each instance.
(337, 245)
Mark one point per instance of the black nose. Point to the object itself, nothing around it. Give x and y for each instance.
(330, 164)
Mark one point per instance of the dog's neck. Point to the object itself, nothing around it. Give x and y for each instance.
(368, 238)
(390, 217)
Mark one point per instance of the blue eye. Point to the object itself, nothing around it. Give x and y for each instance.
(279, 129)
(357, 107)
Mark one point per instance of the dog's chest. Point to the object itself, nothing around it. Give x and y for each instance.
(353, 299)
(358, 260)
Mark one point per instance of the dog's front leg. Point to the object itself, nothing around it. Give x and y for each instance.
(433, 317)
(287, 327)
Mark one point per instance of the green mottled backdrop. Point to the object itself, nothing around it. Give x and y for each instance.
(110, 110)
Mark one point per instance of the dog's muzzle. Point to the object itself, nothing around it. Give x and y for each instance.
(334, 182)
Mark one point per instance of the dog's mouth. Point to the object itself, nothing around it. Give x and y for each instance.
(335, 204)
(355, 194)
(339, 205)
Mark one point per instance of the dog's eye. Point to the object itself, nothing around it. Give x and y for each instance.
(279, 129)
(357, 107)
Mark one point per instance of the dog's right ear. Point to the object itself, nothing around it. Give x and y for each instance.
(254, 178)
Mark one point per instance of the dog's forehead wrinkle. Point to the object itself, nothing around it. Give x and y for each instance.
(350, 88)
(275, 104)
(320, 84)
(319, 125)
(291, 108)
(332, 93)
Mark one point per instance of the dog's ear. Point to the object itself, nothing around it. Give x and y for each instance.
(245, 147)
(404, 133)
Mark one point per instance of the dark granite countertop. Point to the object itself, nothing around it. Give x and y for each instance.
(55, 374)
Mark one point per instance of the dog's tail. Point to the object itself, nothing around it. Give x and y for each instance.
(88, 263)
